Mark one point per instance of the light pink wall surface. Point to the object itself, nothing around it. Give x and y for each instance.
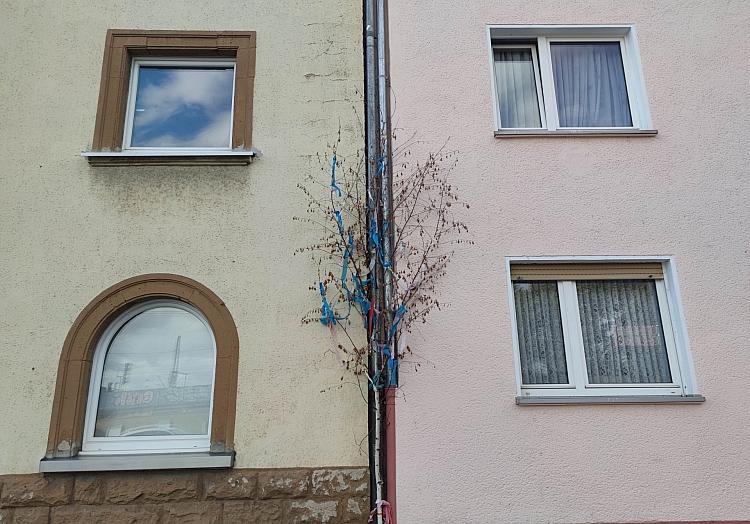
(466, 452)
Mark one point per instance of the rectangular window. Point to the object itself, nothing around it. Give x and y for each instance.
(595, 328)
(175, 98)
(175, 103)
(568, 79)
(519, 87)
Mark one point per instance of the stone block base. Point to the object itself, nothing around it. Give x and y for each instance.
(325, 495)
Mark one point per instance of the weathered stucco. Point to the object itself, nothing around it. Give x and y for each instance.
(68, 231)
(466, 452)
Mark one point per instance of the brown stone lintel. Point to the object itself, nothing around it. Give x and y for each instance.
(125, 33)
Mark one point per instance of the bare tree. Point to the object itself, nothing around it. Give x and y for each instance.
(427, 228)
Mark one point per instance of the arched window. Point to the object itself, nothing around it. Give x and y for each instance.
(152, 381)
(148, 368)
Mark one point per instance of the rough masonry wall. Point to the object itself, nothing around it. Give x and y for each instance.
(333, 496)
(68, 231)
(466, 452)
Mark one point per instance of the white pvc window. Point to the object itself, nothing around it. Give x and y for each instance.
(152, 382)
(180, 104)
(519, 86)
(552, 78)
(598, 338)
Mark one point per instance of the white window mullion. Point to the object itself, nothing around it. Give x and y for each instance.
(573, 337)
(130, 108)
(539, 90)
(669, 339)
(548, 83)
(577, 330)
(636, 82)
(635, 116)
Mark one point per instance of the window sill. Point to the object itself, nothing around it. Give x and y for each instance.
(559, 133)
(170, 158)
(619, 399)
(136, 462)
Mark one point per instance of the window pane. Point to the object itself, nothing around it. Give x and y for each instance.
(590, 85)
(540, 334)
(623, 336)
(157, 376)
(516, 88)
(183, 107)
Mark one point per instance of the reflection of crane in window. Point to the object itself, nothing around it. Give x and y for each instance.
(122, 378)
(175, 375)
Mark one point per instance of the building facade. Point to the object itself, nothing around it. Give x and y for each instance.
(589, 368)
(197, 123)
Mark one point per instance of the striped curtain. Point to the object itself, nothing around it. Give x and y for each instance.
(540, 334)
(623, 337)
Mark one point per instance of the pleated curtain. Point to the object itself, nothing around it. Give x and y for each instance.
(590, 85)
(516, 89)
(540, 334)
(623, 336)
(621, 328)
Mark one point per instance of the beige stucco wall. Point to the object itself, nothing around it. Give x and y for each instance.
(68, 231)
(466, 452)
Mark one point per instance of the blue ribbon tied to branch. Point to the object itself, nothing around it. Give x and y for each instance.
(334, 186)
(327, 316)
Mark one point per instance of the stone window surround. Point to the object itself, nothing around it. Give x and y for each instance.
(74, 370)
(123, 44)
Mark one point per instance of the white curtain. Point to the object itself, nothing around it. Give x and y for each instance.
(623, 338)
(516, 88)
(540, 335)
(590, 85)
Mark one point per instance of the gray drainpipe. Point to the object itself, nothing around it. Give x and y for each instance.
(379, 201)
(372, 138)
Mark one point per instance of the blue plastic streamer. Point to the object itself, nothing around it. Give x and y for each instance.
(339, 220)
(375, 240)
(334, 186)
(357, 294)
(400, 312)
(327, 316)
(381, 165)
(392, 365)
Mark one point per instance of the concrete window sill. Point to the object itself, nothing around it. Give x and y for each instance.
(620, 399)
(137, 462)
(170, 158)
(561, 133)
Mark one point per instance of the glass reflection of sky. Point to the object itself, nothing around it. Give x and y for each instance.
(148, 388)
(147, 344)
(183, 107)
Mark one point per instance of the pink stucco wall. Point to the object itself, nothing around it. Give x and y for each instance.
(466, 452)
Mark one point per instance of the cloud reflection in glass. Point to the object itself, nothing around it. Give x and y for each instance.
(183, 107)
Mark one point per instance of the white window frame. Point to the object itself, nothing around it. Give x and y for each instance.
(544, 36)
(675, 335)
(167, 62)
(537, 80)
(140, 444)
